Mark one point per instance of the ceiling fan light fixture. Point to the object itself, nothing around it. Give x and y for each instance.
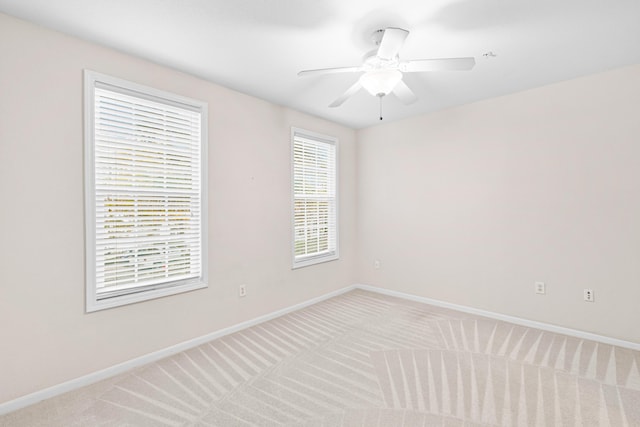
(380, 82)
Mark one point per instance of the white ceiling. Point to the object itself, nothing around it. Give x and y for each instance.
(258, 46)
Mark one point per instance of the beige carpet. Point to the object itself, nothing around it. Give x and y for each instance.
(363, 359)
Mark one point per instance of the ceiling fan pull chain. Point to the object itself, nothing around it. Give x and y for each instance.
(380, 96)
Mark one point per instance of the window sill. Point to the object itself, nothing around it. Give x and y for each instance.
(314, 260)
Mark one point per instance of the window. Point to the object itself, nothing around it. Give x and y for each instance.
(315, 202)
(145, 192)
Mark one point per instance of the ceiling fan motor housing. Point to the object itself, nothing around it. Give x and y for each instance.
(371, 61)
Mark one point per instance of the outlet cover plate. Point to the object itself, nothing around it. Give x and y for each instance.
(588, 295)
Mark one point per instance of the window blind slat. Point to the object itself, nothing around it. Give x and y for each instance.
(142, 143)
(150, 284)
(142, 166)
(144, 269)
(134, 113)
(130, 189)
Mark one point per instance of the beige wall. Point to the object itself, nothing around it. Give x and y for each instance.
(45, 336)
(473, 205)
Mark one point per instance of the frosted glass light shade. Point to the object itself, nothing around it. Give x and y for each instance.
(380, 82)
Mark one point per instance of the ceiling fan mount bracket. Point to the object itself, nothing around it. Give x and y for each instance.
(376, 36)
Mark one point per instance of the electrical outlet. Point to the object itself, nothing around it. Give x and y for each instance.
(588, 295)
(242, 290)
(540, 288)
(376, 264)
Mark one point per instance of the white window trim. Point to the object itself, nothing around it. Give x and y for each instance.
(92, 302)
(316, 258)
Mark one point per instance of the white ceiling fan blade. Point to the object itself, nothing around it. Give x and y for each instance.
(348, 94)
(392, 41)
(329, 71)
(443, 64)
(406, 95)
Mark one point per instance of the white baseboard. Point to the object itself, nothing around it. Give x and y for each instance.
(511, 319)
(112, 371)
(94, 377)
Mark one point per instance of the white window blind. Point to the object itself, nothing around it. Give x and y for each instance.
(315, 226)
(147, 193)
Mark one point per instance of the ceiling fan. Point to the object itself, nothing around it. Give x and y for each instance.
(383, 68)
